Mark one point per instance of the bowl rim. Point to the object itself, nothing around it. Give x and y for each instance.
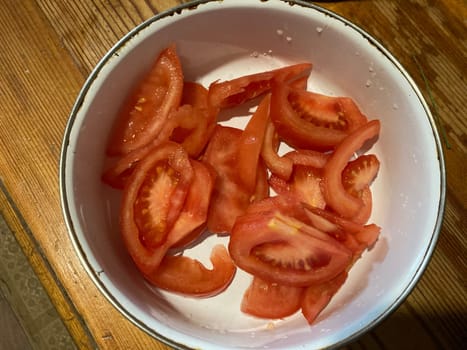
(192, 5)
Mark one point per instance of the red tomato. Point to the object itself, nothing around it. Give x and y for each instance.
(230, 198)
(153, 198)
(280, 166)
(148, 107)
(237, 91)
(271, 300)
(277, 247)
(192, 219)
(187, 276)
(317, 297)
(308, 157)
(308, 120)
(334, 191)
(193, 124)
(250, 144)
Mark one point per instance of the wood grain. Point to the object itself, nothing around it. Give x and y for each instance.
(49, 48)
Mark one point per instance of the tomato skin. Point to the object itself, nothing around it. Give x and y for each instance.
(317, 297)
(234, 92)
(148, 107)
(334, 192)
(187, 276)
(265, 299)
(142, 245)
(279, 248)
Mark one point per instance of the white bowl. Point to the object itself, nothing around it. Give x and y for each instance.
(225, 39)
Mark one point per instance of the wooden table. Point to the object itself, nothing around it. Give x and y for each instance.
(49, 47)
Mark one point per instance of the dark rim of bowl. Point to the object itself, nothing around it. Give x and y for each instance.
(191, 6)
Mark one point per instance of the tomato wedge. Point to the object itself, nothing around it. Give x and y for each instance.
(230, 198)
(279, 248)
(193, 124)
(152, 201)
(148, 107)
(304, 119)
(250, 144)
(234, 92)
(334, 192)
(271, 300)
(187, 276)
(280, 166)
(317, 297)
(192, 219)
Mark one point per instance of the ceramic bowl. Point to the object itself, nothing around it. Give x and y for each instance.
(222, 40)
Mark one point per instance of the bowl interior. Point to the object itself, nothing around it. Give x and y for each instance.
(222, 40)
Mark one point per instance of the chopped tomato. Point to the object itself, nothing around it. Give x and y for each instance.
(192, 219)
(187, 276)
(234, 92)
(304, 184)
(250, 144)
(277, 247)
(334, 192)
(148, 107)
(230, 199)
(152, 201)
(317, 297)
(271, 300)
(308, 157)
(280, 166)
(194, 123)
(308, 120)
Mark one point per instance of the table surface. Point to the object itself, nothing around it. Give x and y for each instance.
(49, 47)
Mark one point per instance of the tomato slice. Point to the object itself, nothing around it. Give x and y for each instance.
(250, 144)
(192, 219)
(148, 107)
(317, 297)
(230, 198)
(344, 203)
(234, 92)
(277, 247)
(307, 120)
(193, 124)
(271, 300)
(152, 201)
(280, 166)
(187, 276)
